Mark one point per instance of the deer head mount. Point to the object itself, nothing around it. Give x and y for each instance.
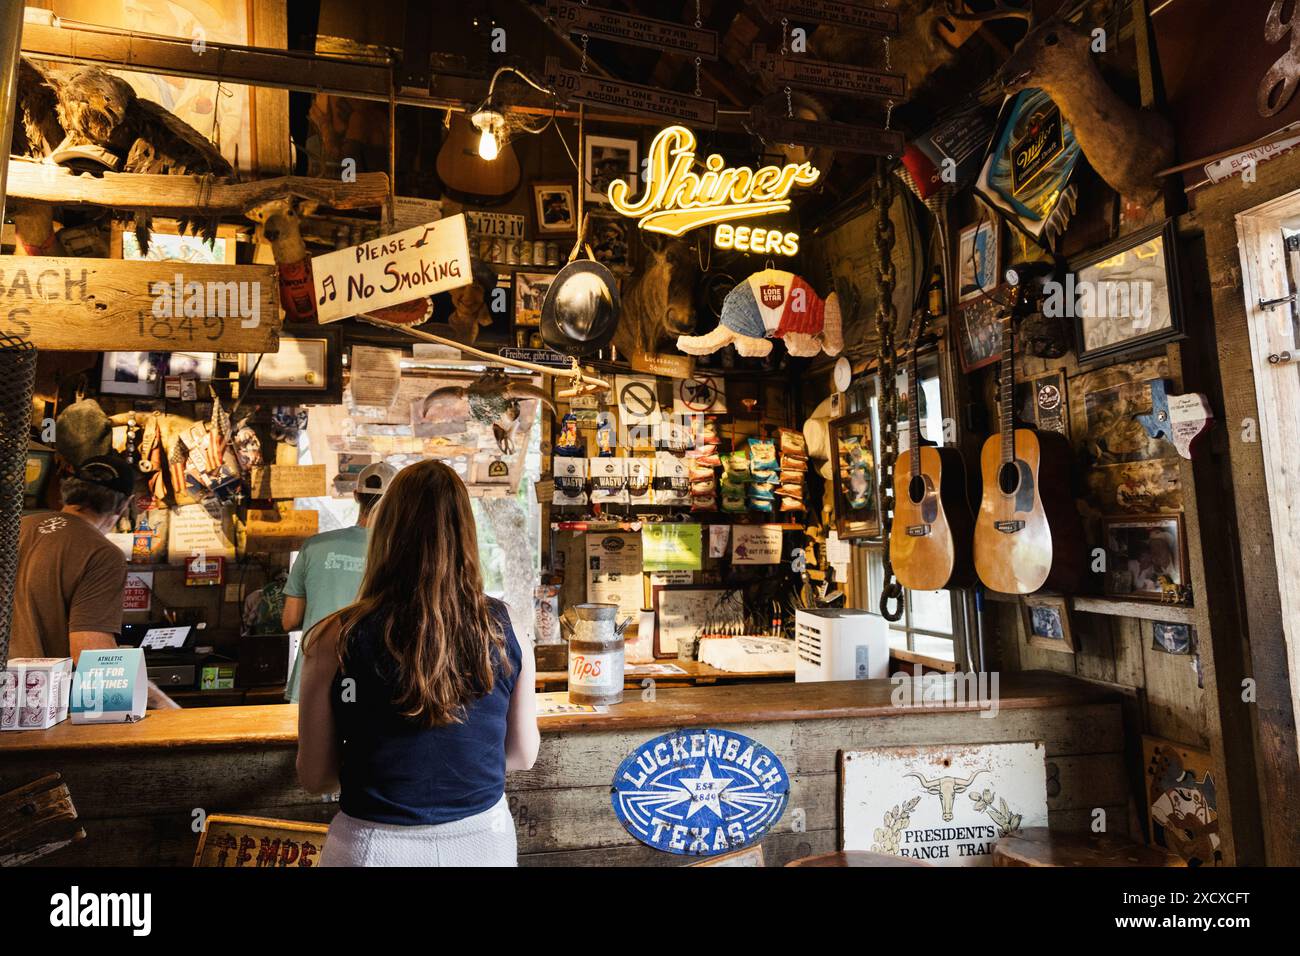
(1127, 146)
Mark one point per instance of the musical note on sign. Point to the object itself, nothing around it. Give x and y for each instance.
(328, 289)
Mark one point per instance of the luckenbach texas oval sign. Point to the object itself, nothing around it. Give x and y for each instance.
(700, 792)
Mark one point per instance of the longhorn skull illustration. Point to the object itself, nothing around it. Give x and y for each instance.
(945, 788)
(491, 399)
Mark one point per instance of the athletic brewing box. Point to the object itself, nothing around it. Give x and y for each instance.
(34, 692)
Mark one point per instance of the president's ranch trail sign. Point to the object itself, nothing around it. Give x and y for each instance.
(106, 305)
(944, 805)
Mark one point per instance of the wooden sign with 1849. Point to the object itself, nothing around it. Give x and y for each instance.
(65, 304)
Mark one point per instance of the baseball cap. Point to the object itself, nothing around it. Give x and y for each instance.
(375, 479)
(109, 471)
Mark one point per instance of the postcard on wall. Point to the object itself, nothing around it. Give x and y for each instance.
(192, 530)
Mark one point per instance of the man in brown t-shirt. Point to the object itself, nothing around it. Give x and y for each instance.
(68, 593)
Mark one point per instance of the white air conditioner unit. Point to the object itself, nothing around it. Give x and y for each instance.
(840, 644)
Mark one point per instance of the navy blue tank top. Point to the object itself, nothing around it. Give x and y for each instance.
(393, 770)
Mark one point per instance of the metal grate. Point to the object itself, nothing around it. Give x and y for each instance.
(17, 380)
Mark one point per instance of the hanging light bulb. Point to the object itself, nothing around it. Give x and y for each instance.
(490, 125)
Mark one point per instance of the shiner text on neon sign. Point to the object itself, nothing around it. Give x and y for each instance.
(677, 199)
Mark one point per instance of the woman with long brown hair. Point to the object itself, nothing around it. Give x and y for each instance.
(417, 698)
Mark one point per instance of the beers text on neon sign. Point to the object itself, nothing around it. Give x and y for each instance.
(676, 199)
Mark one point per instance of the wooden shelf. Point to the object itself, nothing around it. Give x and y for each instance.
(1115, 607)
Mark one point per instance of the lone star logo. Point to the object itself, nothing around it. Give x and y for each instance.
(705, 791)
(700, 792)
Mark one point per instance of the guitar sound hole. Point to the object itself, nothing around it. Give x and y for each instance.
(1009, 478)
(916, 490)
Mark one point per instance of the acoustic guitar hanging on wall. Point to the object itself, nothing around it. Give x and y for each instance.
(1027, 534)
(930, 537)
(468, 177)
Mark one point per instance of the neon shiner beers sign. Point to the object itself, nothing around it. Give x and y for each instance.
(677, 199)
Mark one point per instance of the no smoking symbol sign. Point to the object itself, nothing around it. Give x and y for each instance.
(699, 394)
(638, 400)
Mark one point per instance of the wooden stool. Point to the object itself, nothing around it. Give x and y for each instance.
(855, 858)
(1037, 846)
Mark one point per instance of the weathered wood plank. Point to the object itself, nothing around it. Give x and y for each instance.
(65, 304)
(184, 196)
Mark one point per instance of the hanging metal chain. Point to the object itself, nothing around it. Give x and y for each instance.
(699, 22)
(583, 65)
(886, 322)
(697, 77)
(785, 26)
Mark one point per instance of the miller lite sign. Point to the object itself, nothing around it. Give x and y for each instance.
(700, 792)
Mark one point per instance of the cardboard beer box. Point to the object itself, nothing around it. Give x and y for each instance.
(110, 687)
(34, 692)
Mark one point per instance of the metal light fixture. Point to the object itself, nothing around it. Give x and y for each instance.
(491, 126)
(490, 120)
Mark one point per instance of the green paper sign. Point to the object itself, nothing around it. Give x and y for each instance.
(672, 547)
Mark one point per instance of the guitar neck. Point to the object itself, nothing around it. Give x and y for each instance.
(914, 413)
(1006, 390)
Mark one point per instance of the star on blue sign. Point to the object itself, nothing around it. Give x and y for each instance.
(700, 792)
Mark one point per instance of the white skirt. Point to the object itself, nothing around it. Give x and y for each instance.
(485, 839)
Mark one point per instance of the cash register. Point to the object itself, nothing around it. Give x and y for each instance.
(170, 652)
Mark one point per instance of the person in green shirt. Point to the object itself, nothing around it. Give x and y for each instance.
(328, 571)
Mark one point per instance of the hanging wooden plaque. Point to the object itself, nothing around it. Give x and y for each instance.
(853, 139)
(842, 13)
(622, 97)
(577, 18)
(801, 72)
(107, 305)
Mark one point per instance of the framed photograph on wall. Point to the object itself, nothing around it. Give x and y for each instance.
(530, 293)
(1146, 557)
(855, 479)
(609, 158)
(1126, 294)
(556, 209)
(979, 334)
(132, 373)
(979, 259)
(306, 370)
(1047, 622)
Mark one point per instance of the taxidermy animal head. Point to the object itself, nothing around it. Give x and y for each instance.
(1127, 146)
(491, 399)
(97, 120)
(773, 304)
(659, 301)
(280, 224)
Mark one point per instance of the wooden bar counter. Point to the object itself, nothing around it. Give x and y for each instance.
(140, 787)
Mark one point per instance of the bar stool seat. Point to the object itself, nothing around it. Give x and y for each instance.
(855, 858)
(1037, 846)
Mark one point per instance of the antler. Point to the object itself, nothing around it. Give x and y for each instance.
(930, 785)
(1002, 10)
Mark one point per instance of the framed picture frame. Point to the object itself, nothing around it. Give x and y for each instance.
(1126, 294)
(555, 209)
(610, 237)
(168, 244)
(979, 334)
(306, 370)
(530, 290)
(979, 259)
(1146, 557)
(855, 478)
(1046, 619)
(685, 611)
(132, 373)
(609, 158)
(1172, 638)
(1044, 401)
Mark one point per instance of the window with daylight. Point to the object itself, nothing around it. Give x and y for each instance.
(932, 621)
